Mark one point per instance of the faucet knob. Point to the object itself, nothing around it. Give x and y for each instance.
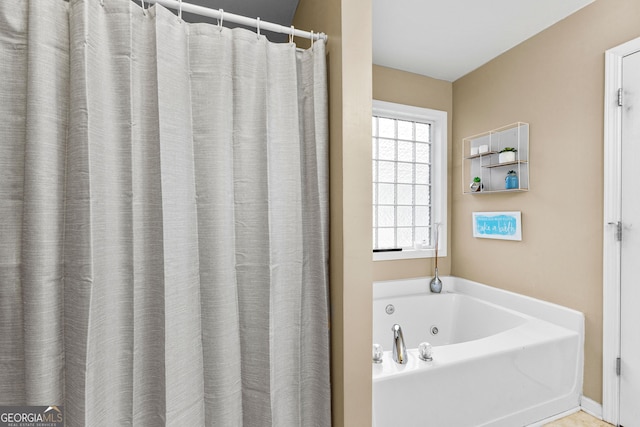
(377, 353)
(425, 351)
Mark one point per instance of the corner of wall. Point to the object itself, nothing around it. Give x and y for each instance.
(348, 26)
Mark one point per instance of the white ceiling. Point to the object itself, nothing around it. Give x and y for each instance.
(447, 39)
(444, 39)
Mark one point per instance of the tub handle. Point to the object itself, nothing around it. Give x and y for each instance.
(425, 351)
(377, 353)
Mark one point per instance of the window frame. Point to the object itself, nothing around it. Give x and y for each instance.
(439, 178)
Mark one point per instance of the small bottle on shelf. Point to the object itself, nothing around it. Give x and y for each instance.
(511, 180)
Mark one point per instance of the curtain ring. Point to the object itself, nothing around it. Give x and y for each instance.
(180, 10)
(102, 3)
(258, 26)
(143, 10)
(291, 35)
(221, 19)
(311, 39)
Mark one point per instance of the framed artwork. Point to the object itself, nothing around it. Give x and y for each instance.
(497, 225)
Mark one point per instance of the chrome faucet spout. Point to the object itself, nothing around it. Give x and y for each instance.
(399, 349)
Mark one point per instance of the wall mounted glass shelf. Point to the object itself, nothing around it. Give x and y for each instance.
(482, 170)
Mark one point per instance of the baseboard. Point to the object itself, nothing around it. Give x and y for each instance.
(591, 407)
(556, 417)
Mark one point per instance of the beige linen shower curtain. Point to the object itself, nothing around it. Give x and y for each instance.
(163, 219)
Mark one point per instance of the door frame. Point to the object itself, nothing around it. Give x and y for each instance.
(612, 214)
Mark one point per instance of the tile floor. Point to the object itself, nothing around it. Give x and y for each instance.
(579, 419)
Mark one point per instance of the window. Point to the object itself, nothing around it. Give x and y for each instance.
(409, 180)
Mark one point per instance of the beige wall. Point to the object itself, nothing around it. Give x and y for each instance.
(420, 91)
(555, 82)
(348, 25)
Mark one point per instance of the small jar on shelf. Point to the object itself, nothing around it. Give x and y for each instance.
(476, 184)
(511, 180)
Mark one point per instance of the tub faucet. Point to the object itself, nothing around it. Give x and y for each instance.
(399, 349)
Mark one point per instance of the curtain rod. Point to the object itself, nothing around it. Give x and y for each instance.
(238, 19)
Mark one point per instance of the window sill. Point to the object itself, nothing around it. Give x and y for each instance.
(408, 254)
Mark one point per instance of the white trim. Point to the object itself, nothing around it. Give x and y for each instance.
(405, 254)
(439, 190)
(556, 417)
(587, 405)
(612, 214)
(611, 248)
(591, 407)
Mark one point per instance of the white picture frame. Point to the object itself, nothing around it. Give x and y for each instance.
(497, 225)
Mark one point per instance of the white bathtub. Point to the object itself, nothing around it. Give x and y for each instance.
(499, 359)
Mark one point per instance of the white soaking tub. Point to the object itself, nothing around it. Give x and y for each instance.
(499, 359)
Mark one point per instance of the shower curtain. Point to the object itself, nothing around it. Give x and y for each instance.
(163, 219)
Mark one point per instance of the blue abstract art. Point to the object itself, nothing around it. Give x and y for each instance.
(497, 225)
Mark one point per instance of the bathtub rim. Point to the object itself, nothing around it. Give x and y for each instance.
(454, 300)
(534, 307)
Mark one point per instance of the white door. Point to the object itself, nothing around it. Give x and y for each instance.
(630, 245)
